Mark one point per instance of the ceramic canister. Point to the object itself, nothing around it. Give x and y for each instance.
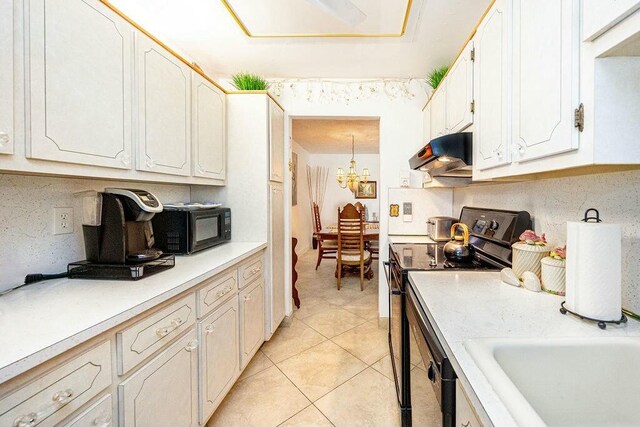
(527, 258)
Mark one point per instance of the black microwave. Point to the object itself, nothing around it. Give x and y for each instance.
(189, 230)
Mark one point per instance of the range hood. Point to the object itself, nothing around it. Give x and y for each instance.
(446, 156)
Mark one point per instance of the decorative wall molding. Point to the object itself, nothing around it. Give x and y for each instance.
(327, 91)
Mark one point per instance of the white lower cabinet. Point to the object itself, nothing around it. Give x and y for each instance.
(100, 414)
(163, 392)
(465, 416)
(251, 301)
(219, 361)
(276, 288)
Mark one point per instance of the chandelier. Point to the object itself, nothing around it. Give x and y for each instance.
(352, 178)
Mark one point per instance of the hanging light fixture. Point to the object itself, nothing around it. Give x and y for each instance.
(352, 178)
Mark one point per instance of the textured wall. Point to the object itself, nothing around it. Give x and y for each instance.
(27, 243)
(553, 202)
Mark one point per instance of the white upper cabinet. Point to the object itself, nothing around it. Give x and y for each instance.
(209, 128)
(426, 127)
(600, 15)
(79, 83)
(545, 77)
(439, 111)
(276, 142)
(491, 89)
(6, 77)
(164, 110)
(459, 94)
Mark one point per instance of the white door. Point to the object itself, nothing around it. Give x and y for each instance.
(209, 128)
(163, 393)
(545, 77)
(438, 111)
(491, 89)
(426, 127)
(251, 301)
(164, 110)
(6, 77)
(276, 142)
(276, 246)
(459, 81)
(219, 362)
(79, 81)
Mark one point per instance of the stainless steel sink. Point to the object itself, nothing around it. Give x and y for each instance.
(564, 381)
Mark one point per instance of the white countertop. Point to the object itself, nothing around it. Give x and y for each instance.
(466, 305)
(410, 239)
(45, 319)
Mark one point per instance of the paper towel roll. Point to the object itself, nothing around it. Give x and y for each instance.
(594, 270)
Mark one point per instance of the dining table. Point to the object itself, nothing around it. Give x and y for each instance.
(371, 233)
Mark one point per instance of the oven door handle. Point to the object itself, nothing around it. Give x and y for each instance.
(387, 270)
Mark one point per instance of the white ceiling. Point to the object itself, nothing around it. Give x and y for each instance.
(333, 135)
(205, 32)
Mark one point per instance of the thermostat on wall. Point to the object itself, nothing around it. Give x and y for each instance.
(407, 208)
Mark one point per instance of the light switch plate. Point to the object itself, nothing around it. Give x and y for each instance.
(407, 211)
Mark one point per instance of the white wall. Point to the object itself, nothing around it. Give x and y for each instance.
(337, 197)
(400, 136)
(553, 202)
(27, 243)
(301, 218)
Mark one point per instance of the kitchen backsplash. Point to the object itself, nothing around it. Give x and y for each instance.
(27, 243)
(553, 202)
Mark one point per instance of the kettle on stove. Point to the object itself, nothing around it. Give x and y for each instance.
(458, 248)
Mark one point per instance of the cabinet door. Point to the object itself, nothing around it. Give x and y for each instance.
(545, 77)
(163, 393)
(491, 74)
(6, 77)
(97, 415)
(438, 111)
(164, 110)
(459, 94)
(276, 243)
(209, 131)
(276, 142)
(251, 301)
(219, 362)
(79, 83)
(465, 416)
(426, 127)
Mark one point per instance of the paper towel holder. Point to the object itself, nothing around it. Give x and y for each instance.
(588, 218)
(602, 324)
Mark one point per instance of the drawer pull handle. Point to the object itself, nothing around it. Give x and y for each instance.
(192, 345)
(247, 298)
(102, 421)
(223, 291)
(166, 330)
(210, 329)
(59, 399)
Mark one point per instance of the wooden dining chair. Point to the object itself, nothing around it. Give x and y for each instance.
(371, 246)
(351, 250)
(327, 249)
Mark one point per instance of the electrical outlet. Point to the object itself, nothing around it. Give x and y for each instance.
(62, 220)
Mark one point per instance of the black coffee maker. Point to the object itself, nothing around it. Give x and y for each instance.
(125, 233)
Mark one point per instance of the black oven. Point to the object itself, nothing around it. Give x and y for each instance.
(188, 230)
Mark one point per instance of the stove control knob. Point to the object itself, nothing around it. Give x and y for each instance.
(494, 225)
(431, 373)
(433, 262)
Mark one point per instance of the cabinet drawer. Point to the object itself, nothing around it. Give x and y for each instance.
(141, 340)
(56, 395)
(100, 414)
(218, 288)
(251, 270)
(163, 393)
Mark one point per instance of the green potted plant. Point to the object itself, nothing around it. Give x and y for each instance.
(248, 81)
(436, 75)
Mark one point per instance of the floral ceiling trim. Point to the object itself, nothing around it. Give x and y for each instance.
(349, 91)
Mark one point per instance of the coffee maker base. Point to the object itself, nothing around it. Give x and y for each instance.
(130, 271)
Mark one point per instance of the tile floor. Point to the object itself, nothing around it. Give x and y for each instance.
(327, 365)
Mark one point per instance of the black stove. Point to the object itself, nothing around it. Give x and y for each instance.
(492, 232)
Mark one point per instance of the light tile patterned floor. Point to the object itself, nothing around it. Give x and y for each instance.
(328, 365)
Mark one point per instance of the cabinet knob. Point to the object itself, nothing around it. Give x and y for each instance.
(150, 163)
(192, 345)
(102, 421)
(27, 420)
(210, 329)
(4, 138)
(163, 331)
(59, 399)
(247, 298)
(499, 154)
(125, 159)
(521, 148)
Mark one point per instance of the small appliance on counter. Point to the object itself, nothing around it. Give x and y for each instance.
(191, 227)
(438, 227)
(118, 237)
